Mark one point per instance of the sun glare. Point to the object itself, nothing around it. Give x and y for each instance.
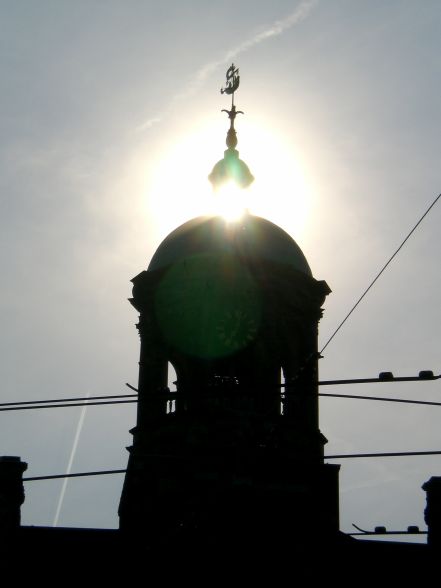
(178, 188)
(230, 202)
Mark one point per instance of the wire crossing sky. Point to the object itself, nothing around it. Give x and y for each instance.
(380, 272)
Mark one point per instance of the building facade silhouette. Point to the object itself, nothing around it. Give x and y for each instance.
(226, 476)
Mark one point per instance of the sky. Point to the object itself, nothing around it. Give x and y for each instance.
(110, 123)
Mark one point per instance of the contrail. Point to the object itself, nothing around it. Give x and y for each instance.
(71, 459)
(279, 27)
(274, 30)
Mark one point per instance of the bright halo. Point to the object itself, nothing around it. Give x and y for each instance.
(178, 189)
(230, 202)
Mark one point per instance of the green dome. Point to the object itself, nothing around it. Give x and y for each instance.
(251, 238)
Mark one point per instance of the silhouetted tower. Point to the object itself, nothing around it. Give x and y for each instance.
(233, 307)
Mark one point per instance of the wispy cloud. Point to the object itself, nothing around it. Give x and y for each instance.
(148, 123)
(274, 30)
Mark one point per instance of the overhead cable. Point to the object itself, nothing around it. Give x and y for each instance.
(379, 273)
(339, 456)
(64, 405)
(78, 398)
(382, 399)
(384, 377)
(349, 396)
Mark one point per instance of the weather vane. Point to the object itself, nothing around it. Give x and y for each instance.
(231, 167)
(232, 84)
(233, 81)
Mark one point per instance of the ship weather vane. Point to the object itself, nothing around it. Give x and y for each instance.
(232, 84)
(233, 81)
(231, 167)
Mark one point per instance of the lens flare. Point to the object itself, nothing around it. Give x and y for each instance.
(230, 202)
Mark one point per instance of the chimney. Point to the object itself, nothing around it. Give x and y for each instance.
(11, 493)
(432, 512)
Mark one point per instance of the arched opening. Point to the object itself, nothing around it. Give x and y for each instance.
(282, 391)
(171, 383)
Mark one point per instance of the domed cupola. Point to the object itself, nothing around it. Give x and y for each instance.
(251, 239)
(229, 300)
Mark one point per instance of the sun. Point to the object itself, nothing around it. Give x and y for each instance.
(178, 189)
(230, 202)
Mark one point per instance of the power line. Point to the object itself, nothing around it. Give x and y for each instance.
(384, 377)
(173, 397)
(350, 396)
(337, 456)
(370, 533)
(76, 475)
(380, 530)
(385, 454)
(64, 405)
(379, 273)
(380, 398)
(77, 398)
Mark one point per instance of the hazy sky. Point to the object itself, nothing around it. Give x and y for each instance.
(109, 125)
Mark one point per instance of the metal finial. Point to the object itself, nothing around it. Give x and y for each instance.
(231, 167)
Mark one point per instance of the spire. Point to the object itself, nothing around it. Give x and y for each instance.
(231, 168)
